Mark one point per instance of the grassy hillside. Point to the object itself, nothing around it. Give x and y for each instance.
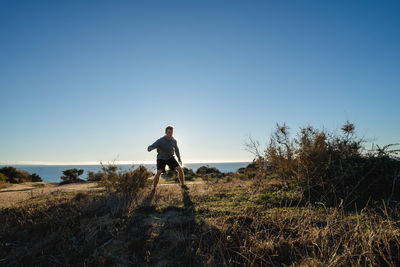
(316, 199)
(214, 224)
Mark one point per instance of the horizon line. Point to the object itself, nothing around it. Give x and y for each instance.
(121, 162)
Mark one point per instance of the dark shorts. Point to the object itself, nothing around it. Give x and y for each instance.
(171, 162)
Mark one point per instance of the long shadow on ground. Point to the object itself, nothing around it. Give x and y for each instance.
(96, 231)
(161, 236)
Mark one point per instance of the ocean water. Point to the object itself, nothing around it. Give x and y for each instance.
(52, 173)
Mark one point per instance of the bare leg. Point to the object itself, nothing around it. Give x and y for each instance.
(156, 178)
(181, 176)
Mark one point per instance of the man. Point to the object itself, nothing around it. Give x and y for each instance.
(166, 146)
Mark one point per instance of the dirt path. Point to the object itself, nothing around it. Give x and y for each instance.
(18, 192)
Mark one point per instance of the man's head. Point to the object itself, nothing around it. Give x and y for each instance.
(169, 130)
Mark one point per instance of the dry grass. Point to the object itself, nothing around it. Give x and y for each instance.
(214, 224)
(330, 167)
(5, 185)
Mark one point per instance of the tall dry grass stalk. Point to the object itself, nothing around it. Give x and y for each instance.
(330, 167)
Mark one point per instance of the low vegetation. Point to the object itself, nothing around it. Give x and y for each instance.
(190, 175)
(71, 176)
(9, 174)
(95, 176)
(330, 168)
(214, 224)
(203, 173)
(127, 182)
(294, 205)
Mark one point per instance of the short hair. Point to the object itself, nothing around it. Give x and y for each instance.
(169, 127)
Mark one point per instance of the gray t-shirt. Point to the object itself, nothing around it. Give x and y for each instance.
(166, 148)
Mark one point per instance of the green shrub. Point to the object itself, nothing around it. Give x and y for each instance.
(126, 182)
(110, 177)
(72, 176)
(35, 178)
(23, 176)
(250, 171)
(3, 178)
(173, 174)
(11, 173)
(95, 176)
(331, 168)
(209, 172)
(16, 175)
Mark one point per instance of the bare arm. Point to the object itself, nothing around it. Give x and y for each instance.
(178, 154)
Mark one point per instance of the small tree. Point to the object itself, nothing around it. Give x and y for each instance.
(72, 176)
(15, 175)
(35, 178)
(10, 172)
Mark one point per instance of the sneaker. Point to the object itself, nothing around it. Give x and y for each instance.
(184, 187)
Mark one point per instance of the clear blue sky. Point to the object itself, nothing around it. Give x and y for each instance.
(99, 80)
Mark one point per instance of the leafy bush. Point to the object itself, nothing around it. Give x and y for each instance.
(210, 172)
(189, 174)
(126, 182)
(95, 176)
(10, 173)
(23, 176)
(3, 178)
(72, 176)
(250, 171)
(333, 168)
(14, 175)
(35, 178)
